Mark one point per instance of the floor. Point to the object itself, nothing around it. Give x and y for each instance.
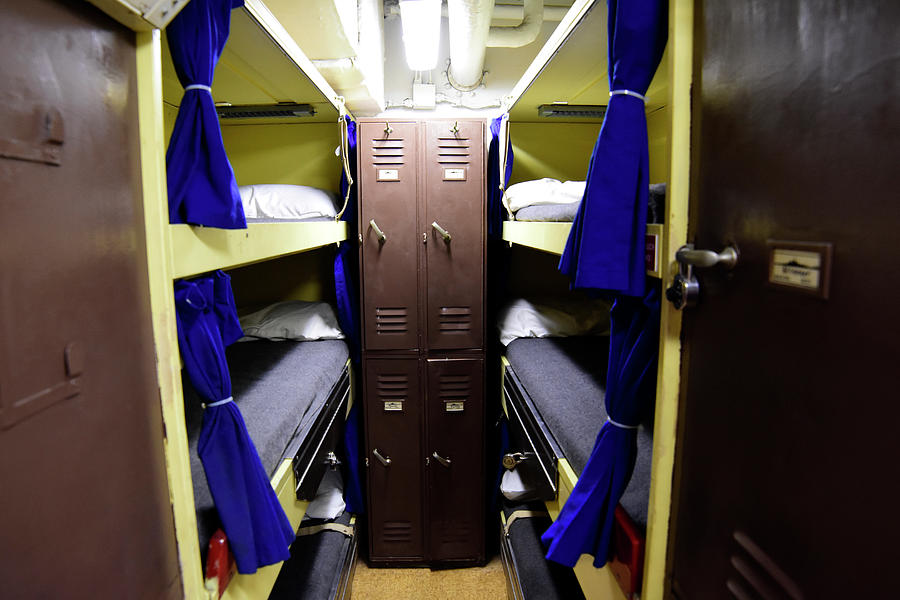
(484, 583)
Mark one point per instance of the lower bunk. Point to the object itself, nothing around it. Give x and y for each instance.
(553, 395)
(294, 397)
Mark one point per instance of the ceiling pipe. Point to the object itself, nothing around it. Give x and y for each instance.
(470, 21)
(502, 12)
(522, 34)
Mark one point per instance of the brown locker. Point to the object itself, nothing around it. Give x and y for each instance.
(422, 183)
(454, 191)
(455, 464)
(393, 441)
(388, 182)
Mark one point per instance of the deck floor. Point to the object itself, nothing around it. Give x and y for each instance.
(484, 583)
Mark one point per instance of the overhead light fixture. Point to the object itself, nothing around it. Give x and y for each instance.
(578, 111)
(266, 111)
(421, 20)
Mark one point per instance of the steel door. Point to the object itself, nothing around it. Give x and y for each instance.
(394, 455)
(84, 504)
(390, 236)
(455, 459)
(787, 482)
(453, 224)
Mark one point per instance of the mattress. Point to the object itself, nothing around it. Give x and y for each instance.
(289, 220)
(566, 380)
(564, 213)
(280, 387)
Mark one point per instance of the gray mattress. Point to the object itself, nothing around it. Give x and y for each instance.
(566, 380)
(307, 220)
(280, 387)
(548, 212)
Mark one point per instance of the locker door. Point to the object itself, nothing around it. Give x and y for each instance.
(454, 200)
(454, 447)
(389, 264)
(393, 430)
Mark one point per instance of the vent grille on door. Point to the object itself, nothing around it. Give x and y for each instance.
(388, 152)
(453, 151)
(455, 387)
(392, 321)
(757, 571)
(455, 319)
(392, 387)
(396, 532)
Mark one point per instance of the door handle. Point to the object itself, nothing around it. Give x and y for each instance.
(444, 461)
(385, 460)
(686, 255)
(685, 289)
(382, 237)
(444, 233)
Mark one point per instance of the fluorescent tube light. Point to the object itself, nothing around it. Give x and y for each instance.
(421, 21)
(582, 111)
(266, 111)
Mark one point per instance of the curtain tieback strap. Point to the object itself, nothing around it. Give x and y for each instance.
(347, 530)
(624, 92)
(522, 514)
(197, 86)
(220, 402)
(623, 426)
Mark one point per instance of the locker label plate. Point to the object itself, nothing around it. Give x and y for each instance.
(392, 406)
(454, 174)
(454, 406)
(388, 175)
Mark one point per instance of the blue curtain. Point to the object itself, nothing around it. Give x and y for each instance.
(202, 188)
(585, 523)
(346, 263)
(605, 246)
(495, 210)
(258, 531)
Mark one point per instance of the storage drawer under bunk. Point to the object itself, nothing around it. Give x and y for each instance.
(533, 451)
(319, 452)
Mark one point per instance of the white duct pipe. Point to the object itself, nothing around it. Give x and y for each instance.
(502, 12)
(470, 21)
(522, 34)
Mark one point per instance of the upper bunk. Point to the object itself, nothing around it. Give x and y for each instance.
(262, 71)
(559, 104)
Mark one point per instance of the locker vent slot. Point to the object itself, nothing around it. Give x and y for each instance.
(455, 319)
(455, 532)
(392, 387)
(388, 152)
(391, 321)
(757, 574)
(453, 151)
(454, 388)
(396, 532)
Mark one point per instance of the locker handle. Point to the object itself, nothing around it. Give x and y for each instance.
(444, 233)
(381, 235)
(385, 460)
(444, 461)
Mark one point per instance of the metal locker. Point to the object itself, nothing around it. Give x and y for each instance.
(455, 479)
(389, 234)
(393, 442)
(453, 222)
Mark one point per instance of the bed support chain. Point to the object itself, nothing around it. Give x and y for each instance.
(522, 514)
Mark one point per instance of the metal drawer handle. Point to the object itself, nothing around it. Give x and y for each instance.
(385, 460)
(444, 233)
(444, 461)
(381, 235)
(511, 459)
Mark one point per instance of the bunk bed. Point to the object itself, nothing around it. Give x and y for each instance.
(294, 395)
(549, 390)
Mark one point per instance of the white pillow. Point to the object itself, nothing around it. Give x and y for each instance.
(553, 318)
(570, 191)
(278, 201)
(529, 193)
(292, 320)
(329, 500)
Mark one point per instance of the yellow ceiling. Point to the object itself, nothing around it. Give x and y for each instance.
(254, 70)
(577, 73)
